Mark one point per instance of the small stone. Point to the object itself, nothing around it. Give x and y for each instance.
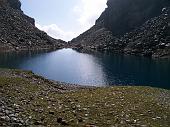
(37, 123)
(154, 118)
(86, 115)
(64, 122)
(85, 109)
(128, 121)
(71, 120)
(167, 45)
(72, 102)
(14, 119)
(78, 106)
(122, 122)
(7, 111)
(30, 117)
(6, 118)
(79, 110)
(90, 126)
(21, 121)
(158, 117)
(135, 121)
(12, 115)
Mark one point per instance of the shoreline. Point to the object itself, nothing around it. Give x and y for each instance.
(27, 99)
(48, 48)
(92, 50)
(29, 76)
(80, 50)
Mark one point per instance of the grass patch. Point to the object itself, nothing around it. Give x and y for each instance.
(40, 103)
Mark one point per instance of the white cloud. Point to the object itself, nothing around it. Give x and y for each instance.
(88, 11)
(54, 31)
(85, 12)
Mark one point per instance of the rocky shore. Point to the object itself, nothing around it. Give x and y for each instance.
(18, 31)
(30, 100)
(130, 28)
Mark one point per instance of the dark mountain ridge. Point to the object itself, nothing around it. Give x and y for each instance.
(18, 31)
(123, 16)
(130, 27)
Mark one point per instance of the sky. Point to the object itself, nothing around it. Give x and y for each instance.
(64, 19)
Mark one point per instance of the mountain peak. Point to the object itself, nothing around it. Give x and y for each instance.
(15, 4)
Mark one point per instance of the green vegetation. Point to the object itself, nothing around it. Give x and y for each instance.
(38, 101)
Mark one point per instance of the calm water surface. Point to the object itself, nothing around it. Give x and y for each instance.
(69, 66)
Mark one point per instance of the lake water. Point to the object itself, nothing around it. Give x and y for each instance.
(70, 66)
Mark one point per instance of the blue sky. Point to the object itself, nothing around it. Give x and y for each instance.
(64, 19)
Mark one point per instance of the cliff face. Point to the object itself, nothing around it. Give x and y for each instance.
(150, 39)
(123, 16)
(18, 31)
(128, 23)
(15, 4)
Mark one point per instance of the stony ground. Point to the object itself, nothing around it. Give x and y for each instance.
(151, 39)
(30, 100)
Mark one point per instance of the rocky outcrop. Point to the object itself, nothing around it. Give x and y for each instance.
(123, 16)
(138, 27)
(15, 4)
(97, 35)
(18, 31)
(152, 38)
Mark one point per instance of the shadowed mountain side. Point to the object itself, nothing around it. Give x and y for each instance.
(123, 16)
(137, 27)
(18, 31)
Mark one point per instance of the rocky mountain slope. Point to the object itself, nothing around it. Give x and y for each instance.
(18, 31)
(134, 27)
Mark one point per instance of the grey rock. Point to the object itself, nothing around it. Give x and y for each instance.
(18, 31)
(129, 33)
